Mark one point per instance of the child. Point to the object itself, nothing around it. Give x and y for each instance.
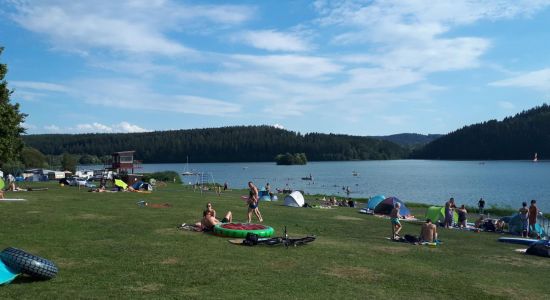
(395, 224)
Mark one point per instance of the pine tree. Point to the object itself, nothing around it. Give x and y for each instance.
(11, 121)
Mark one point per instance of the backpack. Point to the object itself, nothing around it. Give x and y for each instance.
(251, 239)
(411, 239)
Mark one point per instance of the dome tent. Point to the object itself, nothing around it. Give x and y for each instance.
(264, 195)
(374, 201)
(295, 199)
(437, 214)
(385, 207)
(515, 226)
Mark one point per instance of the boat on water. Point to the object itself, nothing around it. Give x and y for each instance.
(308, 178)
(354, 173)
(535, 159)
(186, 171)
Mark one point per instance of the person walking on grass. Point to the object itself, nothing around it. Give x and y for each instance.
(253, 201)
(395, 224)
(524, 217)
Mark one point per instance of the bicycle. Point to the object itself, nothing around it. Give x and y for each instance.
(253, 240)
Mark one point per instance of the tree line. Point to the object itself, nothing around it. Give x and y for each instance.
(518, 137)
(226, 144)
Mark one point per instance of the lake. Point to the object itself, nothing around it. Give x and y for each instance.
(501, 183)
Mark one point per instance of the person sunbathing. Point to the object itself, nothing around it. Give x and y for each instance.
(209, 218)
(428, 232)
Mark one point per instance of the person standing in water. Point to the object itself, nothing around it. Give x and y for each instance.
(253, 201)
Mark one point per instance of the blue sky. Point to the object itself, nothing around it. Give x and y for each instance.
(352, 67)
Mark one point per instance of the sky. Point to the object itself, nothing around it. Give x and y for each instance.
(347, 67)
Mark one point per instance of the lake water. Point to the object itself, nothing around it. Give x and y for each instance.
(502, 183)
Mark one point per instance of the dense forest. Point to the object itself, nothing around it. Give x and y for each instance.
(517, 137)
(226, 144)
(412, 140)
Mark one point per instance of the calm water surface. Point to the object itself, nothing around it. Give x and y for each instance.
(502, 183)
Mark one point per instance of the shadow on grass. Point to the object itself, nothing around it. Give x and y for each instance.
(22, 279)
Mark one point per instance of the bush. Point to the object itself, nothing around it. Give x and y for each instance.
(291, 159)
(168, 176)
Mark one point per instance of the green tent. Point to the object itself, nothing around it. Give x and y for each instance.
(437, 214)
(2, 184)
(121, 184)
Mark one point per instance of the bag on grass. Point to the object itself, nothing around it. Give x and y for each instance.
(251, 238)
(411, 239)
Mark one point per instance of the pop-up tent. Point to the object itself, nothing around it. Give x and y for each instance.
(6, 273)
(374, 201)
(295, 199)
(515, 226)
(264, 195)
(121, 184)
(437, 214)
(385, 207)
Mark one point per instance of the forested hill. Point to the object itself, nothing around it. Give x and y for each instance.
(518, 137)
(409, 139)
(227, 144)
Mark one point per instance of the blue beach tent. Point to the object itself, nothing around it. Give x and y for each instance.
(264, 195)
(374, 201)
(6, 274)
(385, 207)
(515, 226)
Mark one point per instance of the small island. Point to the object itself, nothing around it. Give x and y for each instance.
(291, 159)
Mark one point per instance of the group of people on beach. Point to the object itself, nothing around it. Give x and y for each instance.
(209, 219)
(450, 208)
(428, 230)
(528, 216)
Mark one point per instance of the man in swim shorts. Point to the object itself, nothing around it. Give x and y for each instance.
(524, 217)
(395, 224)
(533, 213)
(428, 232)
(209, 218)
(253, 201)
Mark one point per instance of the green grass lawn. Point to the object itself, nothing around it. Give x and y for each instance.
(106, 246)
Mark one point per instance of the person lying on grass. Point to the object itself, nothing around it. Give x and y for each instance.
(428, 232)
(395, 224)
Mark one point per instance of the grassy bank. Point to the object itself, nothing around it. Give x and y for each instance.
(106, 246)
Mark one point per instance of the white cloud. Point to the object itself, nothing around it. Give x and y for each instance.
(135, 94)
(122, 26)
(96, 127)
(539, 80)
(293, 65)
(272, 40)
(408, 34)
(506, 105)
(52, 128)
(41, 86)
(279, 126)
